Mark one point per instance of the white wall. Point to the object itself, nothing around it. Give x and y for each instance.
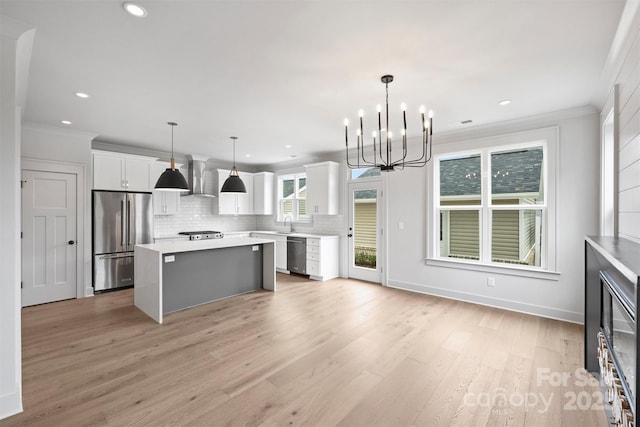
(67, 147)
(577, 216)
(15, 52)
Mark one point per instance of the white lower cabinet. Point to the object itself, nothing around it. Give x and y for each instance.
(281, 249)
(323, 257)
(281, 253)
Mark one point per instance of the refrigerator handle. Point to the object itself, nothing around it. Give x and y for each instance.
(128, 223)
(123, 224)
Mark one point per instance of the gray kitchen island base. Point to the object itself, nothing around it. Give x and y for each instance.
(195, 278)
(172, 276)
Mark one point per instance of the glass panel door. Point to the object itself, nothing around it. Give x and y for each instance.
(364, 241)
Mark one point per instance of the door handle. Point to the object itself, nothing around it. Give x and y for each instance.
(71, 242)
(128, 222)
(349, 235)
(123, 219)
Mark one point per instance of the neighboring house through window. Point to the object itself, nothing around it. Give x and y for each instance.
(491, 203)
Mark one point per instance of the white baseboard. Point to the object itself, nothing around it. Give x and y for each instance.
(10, 404)
(536, 310)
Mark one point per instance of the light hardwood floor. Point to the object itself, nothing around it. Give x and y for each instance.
(340, 352)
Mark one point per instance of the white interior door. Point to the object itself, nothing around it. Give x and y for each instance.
(365, 234)
(48, 237)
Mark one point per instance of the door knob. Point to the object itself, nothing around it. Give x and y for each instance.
(349, 235)
(71, 242)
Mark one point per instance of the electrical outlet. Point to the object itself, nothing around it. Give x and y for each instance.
(491, 281)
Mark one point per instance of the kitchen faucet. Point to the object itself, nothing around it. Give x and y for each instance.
(290, 223)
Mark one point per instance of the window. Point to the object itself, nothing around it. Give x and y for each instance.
(364, 173)
(494, 205)
(292, 197)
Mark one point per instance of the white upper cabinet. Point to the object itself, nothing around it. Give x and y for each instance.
(164, 202)
(121, 172)
(323, 188)
(263, 193)
(245, 200)
(235, 203)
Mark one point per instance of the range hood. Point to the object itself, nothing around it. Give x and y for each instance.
(196, 178)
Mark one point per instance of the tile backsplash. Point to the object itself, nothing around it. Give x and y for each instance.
(196, 213)
(321, 224)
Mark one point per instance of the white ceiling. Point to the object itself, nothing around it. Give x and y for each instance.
(286, 72)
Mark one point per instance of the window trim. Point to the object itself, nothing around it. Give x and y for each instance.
(280, 178)
(609, 166)
(547, 137)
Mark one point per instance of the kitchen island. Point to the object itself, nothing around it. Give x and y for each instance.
(175, 275)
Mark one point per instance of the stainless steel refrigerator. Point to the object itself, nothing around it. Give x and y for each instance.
(120, 221)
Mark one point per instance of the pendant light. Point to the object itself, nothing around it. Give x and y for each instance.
(233, 184)
(171, 179)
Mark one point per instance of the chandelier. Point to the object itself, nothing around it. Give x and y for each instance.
(383, 157)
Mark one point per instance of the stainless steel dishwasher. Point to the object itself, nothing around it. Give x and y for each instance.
(297, 254)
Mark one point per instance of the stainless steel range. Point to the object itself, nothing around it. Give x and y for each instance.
(202, 235)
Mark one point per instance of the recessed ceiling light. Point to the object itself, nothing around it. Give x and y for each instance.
(287, 146)
(504, 102)
(82, 95)
(135, 9)
(247, 155)
(65, 122)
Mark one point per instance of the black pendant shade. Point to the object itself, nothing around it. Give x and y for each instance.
(171, 179)
(234, 183)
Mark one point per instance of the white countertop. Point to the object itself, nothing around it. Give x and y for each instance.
(166, 247)
(296, 234)
(235, 233)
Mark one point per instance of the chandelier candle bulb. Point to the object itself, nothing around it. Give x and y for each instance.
(346, 132)
(430, 122)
